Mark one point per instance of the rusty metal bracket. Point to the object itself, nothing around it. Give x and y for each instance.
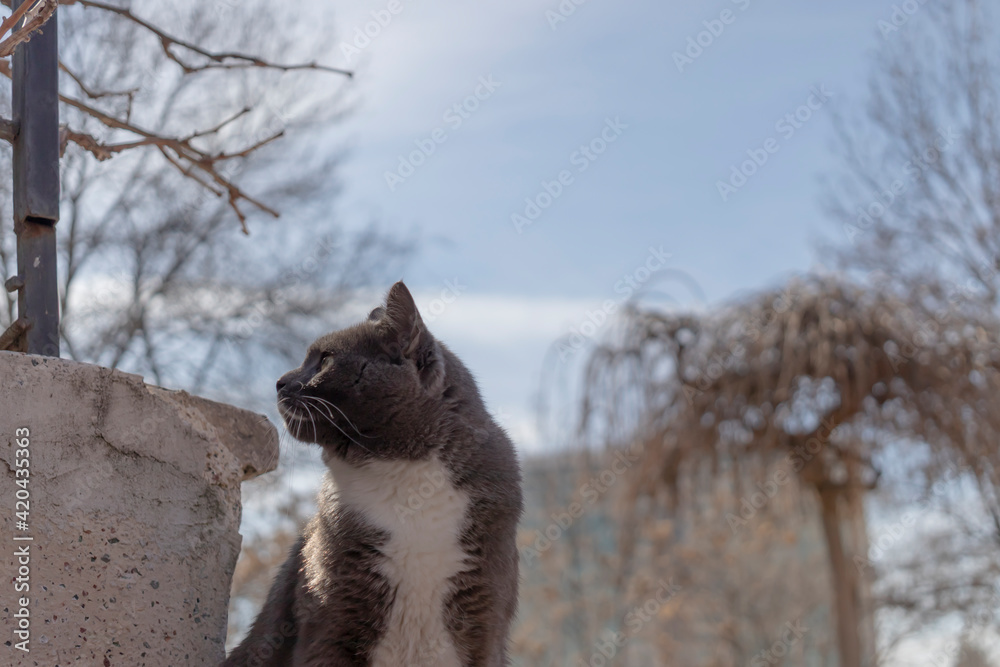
(8, 130)
(14, 283)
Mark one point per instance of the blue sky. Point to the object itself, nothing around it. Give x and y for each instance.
(655, 184)
(553, 86)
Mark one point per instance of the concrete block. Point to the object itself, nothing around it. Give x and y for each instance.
(133, 515)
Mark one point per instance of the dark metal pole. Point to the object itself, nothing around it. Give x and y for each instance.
(36, 186)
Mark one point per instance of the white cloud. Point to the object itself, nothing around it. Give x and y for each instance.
(501, 319)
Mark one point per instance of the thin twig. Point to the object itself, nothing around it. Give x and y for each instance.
(218, 60)
(35, 16)
(212, 130)
(11, 21)
(189, 160)
(95, 94)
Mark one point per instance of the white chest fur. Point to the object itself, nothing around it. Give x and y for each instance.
(415, 502)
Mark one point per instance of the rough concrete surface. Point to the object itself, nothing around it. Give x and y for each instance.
(134, 516)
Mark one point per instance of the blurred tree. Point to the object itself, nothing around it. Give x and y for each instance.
(818, 379)
(586, 573)
(174, 140)
(918, 195)
(917, 200)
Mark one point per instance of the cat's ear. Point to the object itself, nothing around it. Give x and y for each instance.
(410, 338)
(402, 320)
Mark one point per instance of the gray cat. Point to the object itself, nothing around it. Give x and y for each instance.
(411, 559)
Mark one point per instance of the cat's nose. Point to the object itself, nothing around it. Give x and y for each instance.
(288, 378)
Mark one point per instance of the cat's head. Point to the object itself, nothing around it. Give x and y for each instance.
(371, 390)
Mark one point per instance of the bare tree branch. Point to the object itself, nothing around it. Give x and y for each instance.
(95, 94)
(180, 152)
(221, 60)
(35, 15)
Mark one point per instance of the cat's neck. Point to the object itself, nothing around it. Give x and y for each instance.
(398, 496)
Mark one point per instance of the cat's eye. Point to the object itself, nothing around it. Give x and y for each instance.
(325, 361)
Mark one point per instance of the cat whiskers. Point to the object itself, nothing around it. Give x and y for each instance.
(323, 401)
(312, 420)
(289, 408)
(295, 405)
(329, 417)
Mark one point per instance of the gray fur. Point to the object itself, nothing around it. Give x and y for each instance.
(392, 393)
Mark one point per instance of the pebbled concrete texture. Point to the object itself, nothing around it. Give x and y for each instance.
(134, 515)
